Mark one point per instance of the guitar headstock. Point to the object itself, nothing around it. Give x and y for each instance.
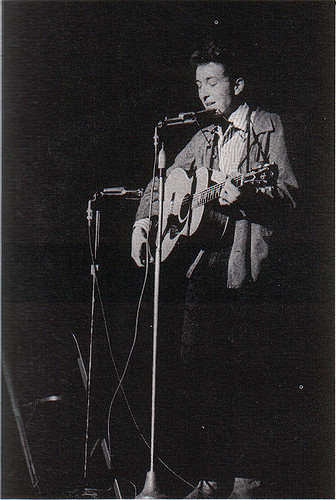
(263, 175)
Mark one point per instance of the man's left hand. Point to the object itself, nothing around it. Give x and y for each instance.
(229, 193)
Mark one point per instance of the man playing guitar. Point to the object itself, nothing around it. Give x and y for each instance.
(222, 350)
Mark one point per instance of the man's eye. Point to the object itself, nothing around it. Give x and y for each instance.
(213, 81)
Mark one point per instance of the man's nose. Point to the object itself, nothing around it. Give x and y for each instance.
(204, 94)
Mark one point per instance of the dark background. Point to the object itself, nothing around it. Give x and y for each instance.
(84, 84)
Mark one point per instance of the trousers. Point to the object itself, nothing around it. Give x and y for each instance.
(224, 353)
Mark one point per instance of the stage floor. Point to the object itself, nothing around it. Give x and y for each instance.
(42, 356)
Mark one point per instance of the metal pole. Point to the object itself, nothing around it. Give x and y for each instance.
(18, 419)
(150, 490)
(94, 269)
(161, 166)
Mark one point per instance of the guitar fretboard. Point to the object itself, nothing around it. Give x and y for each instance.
(213, 192)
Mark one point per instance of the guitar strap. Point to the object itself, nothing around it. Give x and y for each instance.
(249, 146)
(214, 150)
(248, 240)
(263, 154)
(248, 140)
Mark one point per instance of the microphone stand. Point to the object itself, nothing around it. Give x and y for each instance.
(94, 270)
(87, 377)
(150, 489)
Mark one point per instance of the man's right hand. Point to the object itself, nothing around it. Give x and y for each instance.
(139, 240)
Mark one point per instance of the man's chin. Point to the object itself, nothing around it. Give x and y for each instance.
(214, 110)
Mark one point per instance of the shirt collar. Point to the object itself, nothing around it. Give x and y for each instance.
(261, 122)
(239, 117)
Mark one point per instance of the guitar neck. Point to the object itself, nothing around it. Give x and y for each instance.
(213, 192)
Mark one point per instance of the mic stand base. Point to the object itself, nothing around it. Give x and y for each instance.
(150, 490)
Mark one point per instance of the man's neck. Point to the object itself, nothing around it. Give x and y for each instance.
(239, 116)
(234, 106)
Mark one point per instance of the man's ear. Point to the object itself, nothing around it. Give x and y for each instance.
(238, 86)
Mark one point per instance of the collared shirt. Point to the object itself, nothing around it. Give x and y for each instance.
(232, 143)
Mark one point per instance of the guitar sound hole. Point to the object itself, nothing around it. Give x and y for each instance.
(185, 206)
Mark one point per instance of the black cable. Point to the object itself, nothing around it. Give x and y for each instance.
(121, 378)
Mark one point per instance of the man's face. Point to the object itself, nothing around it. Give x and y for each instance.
(214, 88)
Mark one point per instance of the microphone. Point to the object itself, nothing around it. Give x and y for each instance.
(190, 117)
(129, 194)
(122, 191)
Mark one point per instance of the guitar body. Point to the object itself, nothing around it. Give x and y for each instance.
(180, 218)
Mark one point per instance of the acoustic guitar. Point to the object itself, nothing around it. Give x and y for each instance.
(185, 198)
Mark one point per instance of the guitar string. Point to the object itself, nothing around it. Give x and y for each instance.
(216, 187)
(210, 190)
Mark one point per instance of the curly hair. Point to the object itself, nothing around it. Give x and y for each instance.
(213, 52)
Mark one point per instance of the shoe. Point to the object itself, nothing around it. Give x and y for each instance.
(204, 489)
(243, 487)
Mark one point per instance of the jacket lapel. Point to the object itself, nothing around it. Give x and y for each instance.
(261, 124)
